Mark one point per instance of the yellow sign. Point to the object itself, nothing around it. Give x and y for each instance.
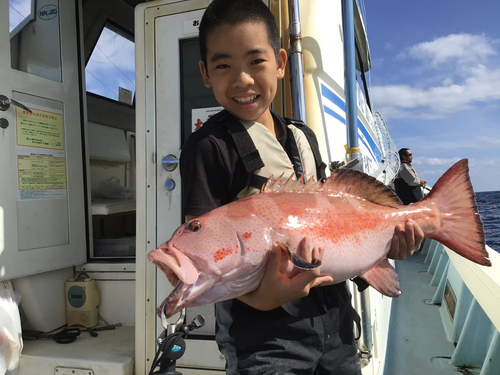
(41, 172)
(40, 129)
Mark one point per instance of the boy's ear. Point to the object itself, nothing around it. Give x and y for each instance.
(204, 74)
(282, 58)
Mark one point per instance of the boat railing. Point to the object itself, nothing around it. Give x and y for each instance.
(469, 298)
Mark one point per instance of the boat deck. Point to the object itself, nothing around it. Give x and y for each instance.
(417, 340)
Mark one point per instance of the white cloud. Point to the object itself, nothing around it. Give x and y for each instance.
(447, 81)
(404, 101)
(460, 78)
(436, 161)
(459, 48)
(484, 173)
(437, 80)
(488, 140)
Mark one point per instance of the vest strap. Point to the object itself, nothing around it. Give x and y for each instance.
(320, 165)
(257, 181)
(245, 146)
(249, 154)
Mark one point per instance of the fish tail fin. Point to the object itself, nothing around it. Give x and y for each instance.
(461, 228)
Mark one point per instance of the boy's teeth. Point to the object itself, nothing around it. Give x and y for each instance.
(246, 100)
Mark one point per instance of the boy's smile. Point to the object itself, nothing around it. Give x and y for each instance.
(242, 70)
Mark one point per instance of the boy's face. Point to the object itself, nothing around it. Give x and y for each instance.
(242, 70)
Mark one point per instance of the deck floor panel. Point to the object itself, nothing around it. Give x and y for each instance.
(417, 341)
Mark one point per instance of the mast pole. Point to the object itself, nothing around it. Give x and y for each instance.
(353, 152)
(297, 67)
(351, 103)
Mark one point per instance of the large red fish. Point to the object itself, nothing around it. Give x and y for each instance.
(222, 254)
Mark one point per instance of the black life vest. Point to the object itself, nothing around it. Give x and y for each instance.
(407, 193)
(278, 161)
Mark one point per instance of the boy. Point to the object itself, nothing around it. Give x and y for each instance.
(286, 325)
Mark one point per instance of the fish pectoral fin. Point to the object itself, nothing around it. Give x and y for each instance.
(383, 277)
(298, 261)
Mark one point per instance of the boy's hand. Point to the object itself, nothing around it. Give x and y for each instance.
(277, 288)
(407, 239)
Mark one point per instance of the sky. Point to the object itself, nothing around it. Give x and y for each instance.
(18, 11)
(435, 79)
(111, 65)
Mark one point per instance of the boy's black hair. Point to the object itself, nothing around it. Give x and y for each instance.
(234, 12)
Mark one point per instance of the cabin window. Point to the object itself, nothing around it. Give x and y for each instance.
(35, 42)
(110, 71)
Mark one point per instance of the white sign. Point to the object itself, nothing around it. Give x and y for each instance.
(200, 115)
(41, 155)
(191, 26)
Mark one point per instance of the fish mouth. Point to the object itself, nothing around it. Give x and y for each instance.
(176, 300)
(184, 276)
(174, 264)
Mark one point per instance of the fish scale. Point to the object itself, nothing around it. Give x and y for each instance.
(352, 216)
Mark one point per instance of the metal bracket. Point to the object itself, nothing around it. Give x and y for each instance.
(171, 327)
(72, 371)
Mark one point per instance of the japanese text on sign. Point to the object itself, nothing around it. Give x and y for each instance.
(41, 172)
(39, 129)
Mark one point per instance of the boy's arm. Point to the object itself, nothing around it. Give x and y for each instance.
(277, 289)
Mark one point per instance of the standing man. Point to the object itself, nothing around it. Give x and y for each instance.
(407, 184)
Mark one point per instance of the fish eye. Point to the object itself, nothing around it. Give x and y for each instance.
(194, 226)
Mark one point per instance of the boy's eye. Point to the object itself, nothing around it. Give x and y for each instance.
(258, 61)
(222, 66)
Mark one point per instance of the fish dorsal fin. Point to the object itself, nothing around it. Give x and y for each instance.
(281, 184)
(342, 181)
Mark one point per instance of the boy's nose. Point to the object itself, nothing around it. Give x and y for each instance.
(243, 79)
